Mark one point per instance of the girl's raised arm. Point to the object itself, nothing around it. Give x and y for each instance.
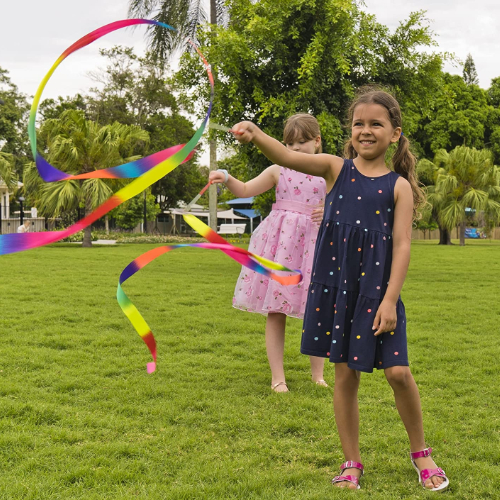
(260, 184)
(321, 165)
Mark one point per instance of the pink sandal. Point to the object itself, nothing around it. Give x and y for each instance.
(351, 479)
(425, 474)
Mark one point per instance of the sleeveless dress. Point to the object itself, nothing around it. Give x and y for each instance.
(287, 235)
(351, 273)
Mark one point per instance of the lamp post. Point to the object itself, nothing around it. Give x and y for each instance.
(145, 214)
(21, 213)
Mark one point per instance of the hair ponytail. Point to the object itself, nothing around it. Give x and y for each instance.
(349, 151)
(404, 164)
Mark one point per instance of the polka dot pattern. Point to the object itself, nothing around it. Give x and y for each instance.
(348, 296)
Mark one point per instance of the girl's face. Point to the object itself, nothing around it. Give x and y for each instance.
(302, 145)
(372, 131)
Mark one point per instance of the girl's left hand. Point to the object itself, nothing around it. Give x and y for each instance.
(385, 319)
(317, 215)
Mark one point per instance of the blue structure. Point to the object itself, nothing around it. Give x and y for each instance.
(244, 207)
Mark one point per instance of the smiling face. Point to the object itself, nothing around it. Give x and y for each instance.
(372, 131)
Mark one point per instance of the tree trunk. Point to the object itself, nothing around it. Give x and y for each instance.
(87, 232)
(212, 190)
(462, 233)
(106, 223)
(444, 236)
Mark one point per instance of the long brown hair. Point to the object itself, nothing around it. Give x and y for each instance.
(301, 125)
(403, 160)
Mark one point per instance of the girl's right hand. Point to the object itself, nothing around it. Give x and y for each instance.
(244, 132)
(217, 177)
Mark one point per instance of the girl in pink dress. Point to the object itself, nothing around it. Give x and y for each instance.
(288, 236)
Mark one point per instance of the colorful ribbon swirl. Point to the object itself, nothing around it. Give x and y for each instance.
(146, 171)
(240, 255)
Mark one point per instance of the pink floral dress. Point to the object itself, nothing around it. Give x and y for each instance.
(288, 236)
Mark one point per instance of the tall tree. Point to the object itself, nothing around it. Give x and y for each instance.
(186, 16)
(470, 73)
(458, 117)
(76, 146)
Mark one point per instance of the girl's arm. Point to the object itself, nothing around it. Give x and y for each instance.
(260, 184)
(321, 165)
(385, 319)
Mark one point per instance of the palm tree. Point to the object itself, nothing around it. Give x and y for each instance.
(186, 16)
(464, 178)
(78, 146)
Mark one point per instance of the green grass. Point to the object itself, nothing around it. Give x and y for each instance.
(81, 419)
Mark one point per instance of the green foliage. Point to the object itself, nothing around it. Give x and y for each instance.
(131, 213)
(277, 58)
(459, 116)
(464, 178)
(137, 91)
(470, 72)
(13, 124)
(76, 145)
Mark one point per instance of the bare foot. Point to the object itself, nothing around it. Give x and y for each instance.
(279, 387)
(427, 463)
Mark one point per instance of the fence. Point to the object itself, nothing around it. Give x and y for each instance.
(418, 234)
(10, 225)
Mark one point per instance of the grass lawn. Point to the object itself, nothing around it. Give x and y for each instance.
(81, 419)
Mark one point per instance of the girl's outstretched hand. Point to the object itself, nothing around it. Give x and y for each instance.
(385, 319)
(217, 176)
(244, 132)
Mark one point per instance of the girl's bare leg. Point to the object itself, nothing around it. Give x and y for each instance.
(407, 400)
(317, 366)
(275, 346)
(345, 405)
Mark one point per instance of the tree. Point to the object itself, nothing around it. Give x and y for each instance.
(458, 118)
(137, 91)
(470, 73)
(278, 58)
(464, 178)
(13, 123)
(186, 16)
(131, 213)
(492, 135)
(76, 145)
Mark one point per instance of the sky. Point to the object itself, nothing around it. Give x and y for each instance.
(34, 33)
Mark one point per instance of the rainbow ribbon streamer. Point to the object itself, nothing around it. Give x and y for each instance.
(250, 260)
(148, 170)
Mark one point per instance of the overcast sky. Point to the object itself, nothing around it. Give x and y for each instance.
(34, 33)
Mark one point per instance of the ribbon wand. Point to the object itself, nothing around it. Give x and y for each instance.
(197, 197)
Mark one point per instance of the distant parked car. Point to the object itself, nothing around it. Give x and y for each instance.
(472, 232)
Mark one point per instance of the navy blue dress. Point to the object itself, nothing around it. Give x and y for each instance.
(351, 272)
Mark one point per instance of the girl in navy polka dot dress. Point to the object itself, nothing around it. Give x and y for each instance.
(354, 314)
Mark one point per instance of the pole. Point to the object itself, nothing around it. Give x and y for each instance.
(145, 215)
(21, 213)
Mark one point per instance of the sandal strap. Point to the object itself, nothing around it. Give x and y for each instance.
(351, 479)
(350, 464)
(278, 384)
(419, 454)
(427, 473)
